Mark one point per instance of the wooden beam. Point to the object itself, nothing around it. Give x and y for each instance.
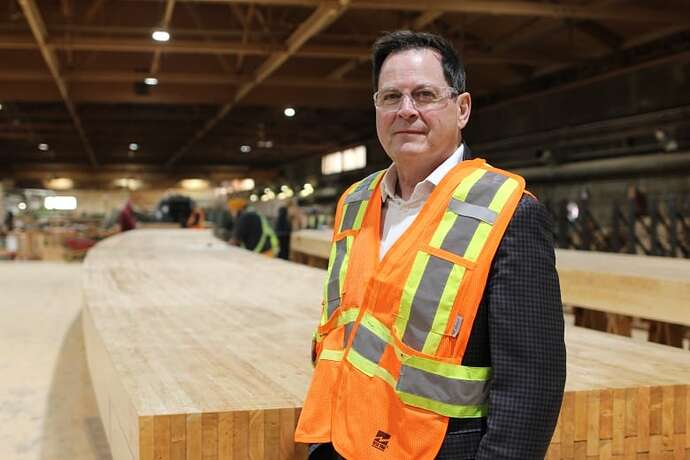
(200, 27)
(605, 36)
(165, 25)
(324, 15)
(500, 7)
(95, 7)
(33, 17)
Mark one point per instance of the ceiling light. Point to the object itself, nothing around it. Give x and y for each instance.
(21, 206)
(43, 147)
(134, 146)
(63, 203)
(194, 184)
(289, 112)
(60, 183)
(151, 81)
(160, 35)
(245, 148)
(253, 197)
(0, 106)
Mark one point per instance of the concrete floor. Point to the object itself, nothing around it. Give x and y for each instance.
(47, 405)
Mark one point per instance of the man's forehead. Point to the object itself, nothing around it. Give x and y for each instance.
(412, 60)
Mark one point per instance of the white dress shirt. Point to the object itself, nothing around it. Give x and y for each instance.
(397, 214)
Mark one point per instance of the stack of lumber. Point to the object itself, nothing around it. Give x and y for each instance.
(200, 350)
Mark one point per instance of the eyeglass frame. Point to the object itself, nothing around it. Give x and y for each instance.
(451, 93)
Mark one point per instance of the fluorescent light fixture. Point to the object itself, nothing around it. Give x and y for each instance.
(245, 148)
(42, 147)
(128, 182)
(60, 183)
(134, 146)
(242, 185)
(289, 112)
(160, 35)
(60, 203)
(194, 184)
(151, 81)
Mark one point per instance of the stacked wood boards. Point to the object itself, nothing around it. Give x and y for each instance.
(201, 351)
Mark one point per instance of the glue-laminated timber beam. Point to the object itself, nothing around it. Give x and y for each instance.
(497, 7)
(33, 17)
(165, 24)
(359, 53)
(324, 15)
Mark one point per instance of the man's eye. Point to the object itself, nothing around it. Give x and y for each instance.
(391, 97)
(425, 95)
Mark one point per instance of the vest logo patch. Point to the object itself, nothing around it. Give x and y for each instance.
(381, 440)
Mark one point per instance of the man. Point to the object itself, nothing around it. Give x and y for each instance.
(441, 334)
(252, 231)
(126, 219)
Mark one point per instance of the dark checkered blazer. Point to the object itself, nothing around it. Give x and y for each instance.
(518, 331)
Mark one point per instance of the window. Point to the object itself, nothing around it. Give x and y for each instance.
(346, 160)
(61, 203)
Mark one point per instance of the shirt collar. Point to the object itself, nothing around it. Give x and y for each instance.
(390, 177)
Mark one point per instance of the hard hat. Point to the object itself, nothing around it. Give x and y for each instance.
(235, 204)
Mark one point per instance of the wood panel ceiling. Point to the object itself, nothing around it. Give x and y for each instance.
(72, 71)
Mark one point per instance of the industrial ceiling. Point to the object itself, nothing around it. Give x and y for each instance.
(73, 72)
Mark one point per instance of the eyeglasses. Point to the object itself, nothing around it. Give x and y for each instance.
(425, 98)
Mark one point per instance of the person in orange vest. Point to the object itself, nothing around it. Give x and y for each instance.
(252, 230)
(441, 332)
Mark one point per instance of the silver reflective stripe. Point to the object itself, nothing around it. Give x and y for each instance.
(360, 195)
(350, 216)
(334, 279)
(460, 235)
(484, 190)
(471, 210)
(348, 331)
(425, 301)
(367, 344)
(443, 389)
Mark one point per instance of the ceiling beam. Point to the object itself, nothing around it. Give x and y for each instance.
(359, 53)
(165, 25)
(180, 78)
(498, 7)
(324, 15)
(605, 36)
(33, 17)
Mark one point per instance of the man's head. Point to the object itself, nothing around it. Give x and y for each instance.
(421, 103)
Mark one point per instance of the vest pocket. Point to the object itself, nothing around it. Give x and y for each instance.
(427, 321)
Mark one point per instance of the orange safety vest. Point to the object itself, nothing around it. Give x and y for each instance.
(393, 332)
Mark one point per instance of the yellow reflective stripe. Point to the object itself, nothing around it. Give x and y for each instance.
(443, 311)
(369, 368)
(331, 355)
(467, 183)
(449, 410)
(360, 214)
(377, 328)
(478, 240)
(451, 371)
(348, 316)
(443, 228)
(409, 291)
(503, 194)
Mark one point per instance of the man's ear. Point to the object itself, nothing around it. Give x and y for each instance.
(464, 102)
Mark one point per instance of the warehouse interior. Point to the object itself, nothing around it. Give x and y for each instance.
(167, 110)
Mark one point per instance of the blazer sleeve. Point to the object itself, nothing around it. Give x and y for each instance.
(526, 339)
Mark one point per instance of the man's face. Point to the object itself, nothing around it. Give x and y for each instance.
(407, 131)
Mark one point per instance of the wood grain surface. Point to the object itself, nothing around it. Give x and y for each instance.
(201, 351)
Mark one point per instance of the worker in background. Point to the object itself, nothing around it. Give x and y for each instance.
(126, 219)
(252, 231)
(441, 334)
(283, 232)
(196, 218)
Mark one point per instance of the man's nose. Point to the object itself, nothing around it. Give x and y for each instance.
(407, 108)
